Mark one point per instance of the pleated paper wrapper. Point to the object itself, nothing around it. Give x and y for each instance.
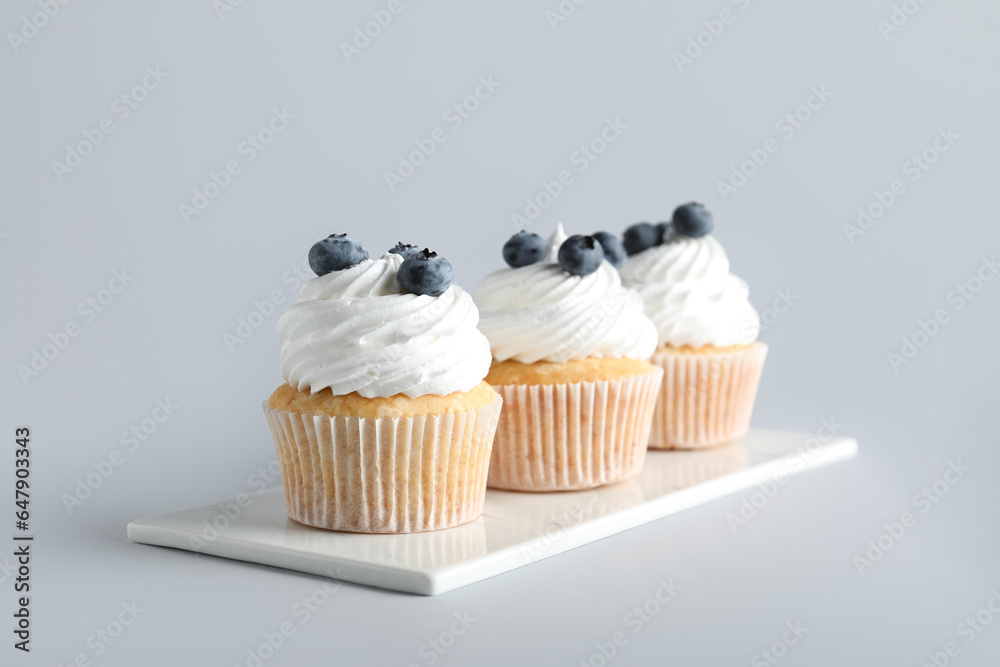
(578, 435)
(384, 475)
(707, 396)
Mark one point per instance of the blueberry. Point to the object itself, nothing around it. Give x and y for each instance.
(425, 273)
(405, 249)
(336, 253)
(693, 220)
(640, 236)
(580, 255)
(662, 229)
(614, 251)
(523, 248)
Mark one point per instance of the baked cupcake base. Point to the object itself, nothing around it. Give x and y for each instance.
(383, 465)
(708, 394)
(571, 426)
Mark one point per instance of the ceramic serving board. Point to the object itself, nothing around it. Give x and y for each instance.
(516, 529)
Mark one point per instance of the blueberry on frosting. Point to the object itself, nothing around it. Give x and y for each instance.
(404, 249)
(693, 220)
(523, 248)
(580, 255)
(614, 251)
(336, 253)
(425, 273)
(640, 236)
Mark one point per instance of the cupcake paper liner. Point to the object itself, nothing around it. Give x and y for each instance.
(384, 475)
(578, 435)
(707, 397)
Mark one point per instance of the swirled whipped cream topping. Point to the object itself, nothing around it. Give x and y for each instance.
(690, 294)
(357, 330)
(539, 312)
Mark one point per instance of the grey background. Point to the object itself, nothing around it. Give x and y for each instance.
(784, 230)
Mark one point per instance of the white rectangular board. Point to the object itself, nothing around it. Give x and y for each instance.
(516, 529)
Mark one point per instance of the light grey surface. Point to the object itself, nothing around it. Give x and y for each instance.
(163, 336)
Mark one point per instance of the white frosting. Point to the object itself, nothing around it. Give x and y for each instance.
(555, 242)
(357, 330)
(540, 312)
(690, 294)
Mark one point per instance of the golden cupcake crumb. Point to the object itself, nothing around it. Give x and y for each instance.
(323, 402)
(591, 369)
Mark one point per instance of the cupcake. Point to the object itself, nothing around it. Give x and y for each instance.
(706, 328)
(570, 346)
(384, 424)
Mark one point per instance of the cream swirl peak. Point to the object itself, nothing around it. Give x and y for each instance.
(358, 330)
(557, 238)
(540, 312)
(690, 294)
(367, 278)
